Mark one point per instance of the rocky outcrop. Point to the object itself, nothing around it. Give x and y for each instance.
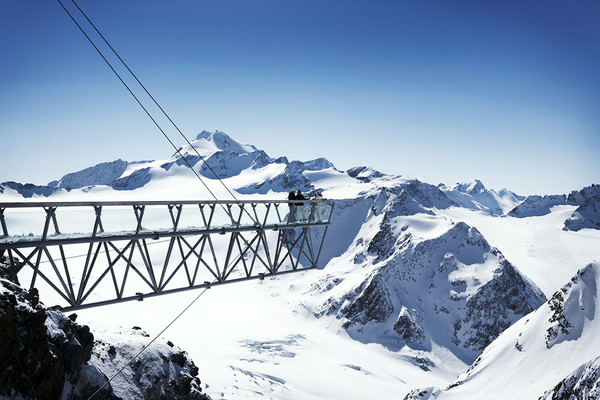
(135, 180)
(28, 190)
(47, 355)
(370, 303)
(42, 351)
(571, 306)
(364, 174)
(498, 304)
(583, 383)
(100, 174)
(587, 215)
(535, 205)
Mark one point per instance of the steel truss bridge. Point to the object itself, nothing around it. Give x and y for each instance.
(86, 254)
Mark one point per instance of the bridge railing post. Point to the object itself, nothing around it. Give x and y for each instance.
(3, 223)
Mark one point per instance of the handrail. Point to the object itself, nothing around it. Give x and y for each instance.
(144, 203)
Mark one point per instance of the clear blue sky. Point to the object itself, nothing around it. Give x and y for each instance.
(447, 91)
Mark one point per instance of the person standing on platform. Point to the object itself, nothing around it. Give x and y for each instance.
(301, 214)
(292, 214)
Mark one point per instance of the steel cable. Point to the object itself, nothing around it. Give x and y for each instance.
(136, 99)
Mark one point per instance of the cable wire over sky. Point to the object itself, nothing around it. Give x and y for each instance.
(444, 91)
(177, 150)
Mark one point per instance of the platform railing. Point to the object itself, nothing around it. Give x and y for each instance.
(92, 253)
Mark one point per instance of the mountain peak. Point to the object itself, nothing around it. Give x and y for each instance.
(220, 141)
(472, 187)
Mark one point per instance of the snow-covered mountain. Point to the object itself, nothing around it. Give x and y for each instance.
(419, 279)
(550, 352)
(585, 215)
(423, 281)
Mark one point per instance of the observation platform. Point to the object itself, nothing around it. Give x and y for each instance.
(86, 254)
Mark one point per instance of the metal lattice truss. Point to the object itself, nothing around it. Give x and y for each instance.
(153, 248)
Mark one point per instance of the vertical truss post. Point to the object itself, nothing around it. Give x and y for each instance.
(98, 228)
(263, 237)
(166, 264)
(36, 267)
(239, 220)
(255, 214)
(139, 215)
(175, 219)
(49, 217)
(110, 268)
(84, 274)
(268, 208)
(301, 248)
(3, 224)
(278, 214)
(66, 290)
(184, 260)
(278, 248)
(67, 274)
(228, 211)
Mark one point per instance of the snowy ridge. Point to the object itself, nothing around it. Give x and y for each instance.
(535, 205)
(586, 215)
(583, 383)
(476, 196)
(100, 174)
(558, 336)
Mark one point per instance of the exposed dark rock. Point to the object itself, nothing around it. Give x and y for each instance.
(498, 304)
(100, 174)
(364, 174)
(583, 383)
(372, 303)
(27, 190)
(133, 181)
(408, 327)
(47, 355)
